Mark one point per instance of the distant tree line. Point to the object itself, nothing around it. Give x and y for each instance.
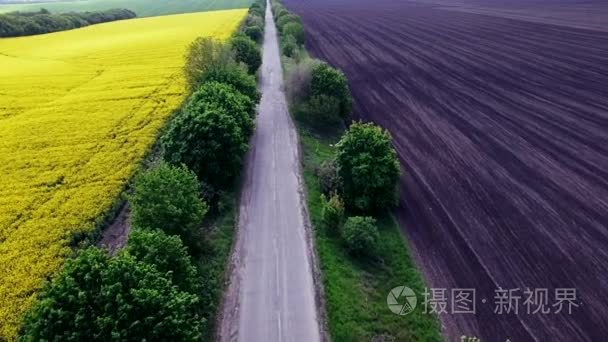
(16, 24)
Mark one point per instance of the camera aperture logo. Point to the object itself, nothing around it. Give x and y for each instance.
(401, 300)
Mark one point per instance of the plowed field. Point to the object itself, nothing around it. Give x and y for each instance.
(501, 125)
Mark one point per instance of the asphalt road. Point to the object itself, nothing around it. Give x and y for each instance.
(271, 296)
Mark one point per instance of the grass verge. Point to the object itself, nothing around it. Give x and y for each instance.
(220, 228)
(356, 289)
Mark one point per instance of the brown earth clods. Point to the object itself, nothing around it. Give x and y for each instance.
(500, 121)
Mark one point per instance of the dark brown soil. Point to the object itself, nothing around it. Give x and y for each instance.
(115, 235)
(501, 126)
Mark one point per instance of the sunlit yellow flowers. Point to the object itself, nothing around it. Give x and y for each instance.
(78, 111)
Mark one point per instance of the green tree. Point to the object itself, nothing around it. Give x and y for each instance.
(254, 33)
(254, 20)
(167, 198)
(96, 297)
(289, 18)
(246, 51)
(215, 95)
(205, 53)
(360, 234)
(256, 10)
(235, 76)
(294, 29)
(210, 142)
(290, 48)
(321, 111)
(368, 168)
(331, 82)
(279, 11)
(168, 254)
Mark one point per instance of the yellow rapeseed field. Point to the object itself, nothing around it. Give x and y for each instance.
(78, 112)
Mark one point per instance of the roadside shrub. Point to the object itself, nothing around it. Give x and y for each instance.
(255, 20)
(168, 254)
(320, 111)
(280, 11)
(368, 168)
(332, 212)
(360, 234)
(204, 54)
(296, 30)
(255, 5)
(289, 18)
(215, 95)
(329, 180)
(246, 51)
(102, 298)
(235, 76)
(298, 80)
(290, 47)
(167, 198)
(256, 10)
(254, 33)
(326, 80)
(209, 141)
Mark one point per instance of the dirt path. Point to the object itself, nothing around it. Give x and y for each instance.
(271, 296)
(114, 237)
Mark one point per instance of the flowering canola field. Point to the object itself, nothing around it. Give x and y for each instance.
(78, 111)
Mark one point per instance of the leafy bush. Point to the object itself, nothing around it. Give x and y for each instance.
(321, 111)
(215, 95)
(326, 80)
(255, 20)
(279, 11)
(168, 254)
(204, 54)
(329, 180)
(235, 76)
(296, 30)
(256, 12)
(360, 234)
(246, 51)
(209, 141)
(167, 198)
(298, 80)
(332, 211)
(99, 298)
(289, 18)
(254, 33)
(257, 9)
(290, 48)
(368, 167)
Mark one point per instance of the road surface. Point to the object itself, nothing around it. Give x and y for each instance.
(271, 296)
